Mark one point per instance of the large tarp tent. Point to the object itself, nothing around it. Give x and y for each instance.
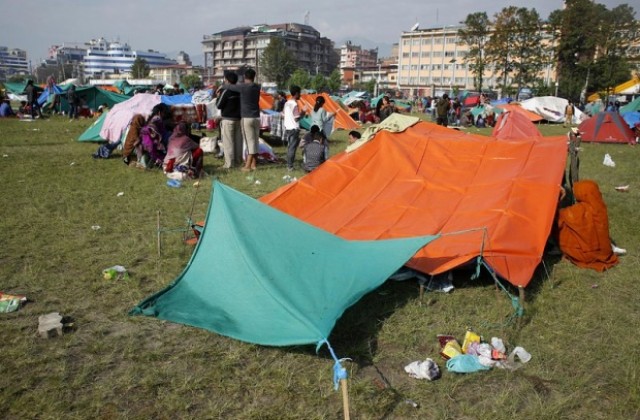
(633, 106)
(342, 119)
(551, 108)
(91, 97)
(512, 125)
(430, 179)
(276, 280)
(606, 127)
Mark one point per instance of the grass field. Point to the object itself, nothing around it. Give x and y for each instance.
(579, 325)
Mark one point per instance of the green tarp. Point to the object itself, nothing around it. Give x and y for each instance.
(631, 106)
(93, 132)
(262, 276)
(92, 97)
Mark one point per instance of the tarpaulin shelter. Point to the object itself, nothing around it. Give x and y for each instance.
(91, 97)
(92, 133)
(633, 106)
(606, 127)
(631, 118)
(552, 108)
(342, 119)
(533, 117)
(430, 179)
(513, 125)
(629, 87)
(277, 280)
(118, 118)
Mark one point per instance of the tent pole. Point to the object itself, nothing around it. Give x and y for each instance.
(158, 233)
(345, 399)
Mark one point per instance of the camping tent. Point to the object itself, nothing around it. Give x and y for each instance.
(517, 108)
(513, 125)
(552, 109)
(92, 133)
(606, 127)
(90, 96)
(251, 295)
(499, 196)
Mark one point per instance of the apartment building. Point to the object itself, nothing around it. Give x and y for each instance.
(13, 61)
(243, 46)
(431, 62)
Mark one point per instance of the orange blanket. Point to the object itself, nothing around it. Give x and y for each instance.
(584, 229)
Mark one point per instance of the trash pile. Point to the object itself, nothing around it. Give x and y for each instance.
(475, 355)
(472, 356)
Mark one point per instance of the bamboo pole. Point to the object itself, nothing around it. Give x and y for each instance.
(345, 399)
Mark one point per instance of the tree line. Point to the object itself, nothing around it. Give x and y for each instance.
(591, 46)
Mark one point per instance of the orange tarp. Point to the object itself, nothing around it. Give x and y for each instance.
(532, 116)
(434, 180)
(266, 100)
(342, 120)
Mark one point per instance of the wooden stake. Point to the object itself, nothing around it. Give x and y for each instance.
(345, 399)
(158, 233)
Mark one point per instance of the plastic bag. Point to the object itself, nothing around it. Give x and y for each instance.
(465, 363)
(117, 272)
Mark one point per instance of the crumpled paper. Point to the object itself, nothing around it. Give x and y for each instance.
(427, 369)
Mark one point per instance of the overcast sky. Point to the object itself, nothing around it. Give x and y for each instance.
(171, 26)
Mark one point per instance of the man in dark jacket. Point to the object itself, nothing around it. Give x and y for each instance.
(228, 103)
(32, 99)
(442, 110)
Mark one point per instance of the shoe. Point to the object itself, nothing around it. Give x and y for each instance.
(617, 250)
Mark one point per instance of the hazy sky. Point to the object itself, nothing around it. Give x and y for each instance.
(171, 26)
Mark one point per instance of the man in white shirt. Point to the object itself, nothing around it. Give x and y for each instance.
(292, 115)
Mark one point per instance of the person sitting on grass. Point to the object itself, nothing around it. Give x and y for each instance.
(354, 136)
(5, 109)
(184, 157)
(151, 150)
(315, 152)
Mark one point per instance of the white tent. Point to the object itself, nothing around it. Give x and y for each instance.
(551, 108)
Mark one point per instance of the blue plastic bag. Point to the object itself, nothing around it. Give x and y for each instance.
(465, 363)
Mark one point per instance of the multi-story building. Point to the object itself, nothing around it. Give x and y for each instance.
(355, 57)
(12, 62)
(104, 58)
(431, 62)
(174, 73)
(243, 46)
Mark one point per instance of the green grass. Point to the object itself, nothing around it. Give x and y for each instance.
(580, 326)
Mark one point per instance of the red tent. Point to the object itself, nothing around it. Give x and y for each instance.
(491, 198)
(606, 127)
(512, 125)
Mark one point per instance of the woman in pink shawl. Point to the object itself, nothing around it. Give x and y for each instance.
(184, 156)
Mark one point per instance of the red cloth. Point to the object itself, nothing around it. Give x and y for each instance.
(584, 229)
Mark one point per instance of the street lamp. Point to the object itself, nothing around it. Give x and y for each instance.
(557, 84)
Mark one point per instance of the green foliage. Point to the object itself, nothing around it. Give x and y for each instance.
(318, 83)
(139, 68)
(277, 63)
(475, 35)
(593, 40)
(300, 78)
(191, 81)
(334, 81)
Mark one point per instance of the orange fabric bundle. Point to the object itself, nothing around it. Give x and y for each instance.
(584, 229)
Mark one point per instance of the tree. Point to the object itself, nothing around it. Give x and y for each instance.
(139, 68)
(593, 45)
(474, 35)
(529, 51)
(277, 63)
(318, 82)
(334, 81)
(191, 81)
(300, 78)
(499, 46)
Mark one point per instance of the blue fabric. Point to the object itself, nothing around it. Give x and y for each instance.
(176, 99)
(465, 363)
